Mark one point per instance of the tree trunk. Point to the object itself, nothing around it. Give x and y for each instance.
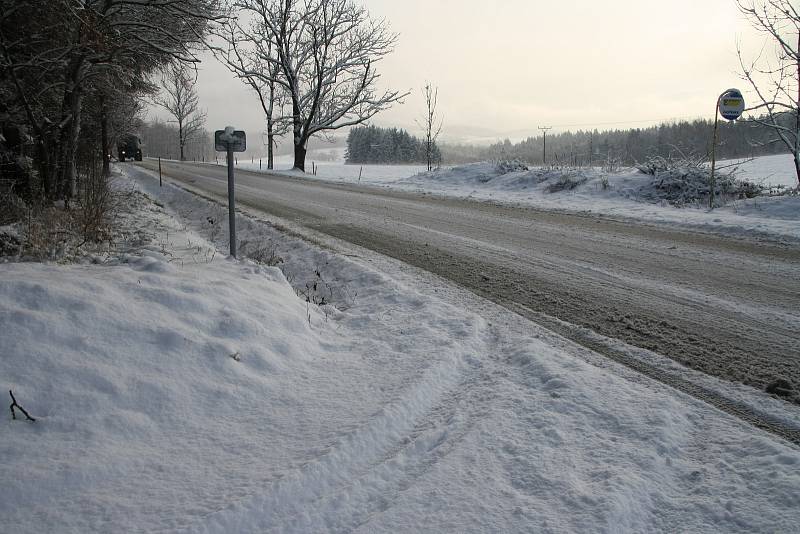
(104, 137)
(300, 140)
(270, 152)
(271, 123)
(45, 171)
(71, 176)
(68, 147)
(797, 168)
(300, 156)
(66, 185)
(180, 138)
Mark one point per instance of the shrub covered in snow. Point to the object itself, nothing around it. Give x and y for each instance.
(55, 233)
(657, 164)
(507, 166)
(12, 206)
(10, 242)
(264, 252)
(566, 182)
(687, 181)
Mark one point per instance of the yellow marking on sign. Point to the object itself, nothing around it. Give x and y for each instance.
(731, 101)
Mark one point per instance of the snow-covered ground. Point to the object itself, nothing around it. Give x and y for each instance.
(774, 170)
(388, 175)
(624, 193)
(178, 389)
(331, 166)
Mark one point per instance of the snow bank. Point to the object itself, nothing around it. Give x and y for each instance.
(168, 381)
(627, 193)
(128, 367)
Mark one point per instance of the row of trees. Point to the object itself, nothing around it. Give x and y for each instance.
(163, 139)
(746, 138)
(372, 144)
(71, 72)
(311, 62)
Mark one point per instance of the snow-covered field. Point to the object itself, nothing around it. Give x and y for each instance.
(339, 172)
(774, 170)
(625, 193)
(331, 166)
(179, 389)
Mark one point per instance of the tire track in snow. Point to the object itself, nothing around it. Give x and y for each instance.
(285, 506)
(378, 488)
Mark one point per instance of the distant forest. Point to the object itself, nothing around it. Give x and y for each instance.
(372, 144)
(160, 139)
(376, 145)
(741, 139)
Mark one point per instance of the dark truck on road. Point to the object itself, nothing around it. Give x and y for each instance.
(129, 147)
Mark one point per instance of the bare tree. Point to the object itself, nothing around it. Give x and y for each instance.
(776, 80)
(431, 123)
(180, 99)
(325, 52)
(248, 64)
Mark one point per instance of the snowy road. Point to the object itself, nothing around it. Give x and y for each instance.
(722, 306)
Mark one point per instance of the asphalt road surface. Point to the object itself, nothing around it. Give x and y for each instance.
(727, 307)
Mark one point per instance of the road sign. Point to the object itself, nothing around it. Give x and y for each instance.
(231, 140)
(731, 104)
(236, 139)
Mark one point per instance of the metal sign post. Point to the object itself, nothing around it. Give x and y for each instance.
(231, 203)
(731, 105)
(231, 140)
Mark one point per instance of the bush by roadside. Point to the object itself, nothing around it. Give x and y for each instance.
(57, 231)
(687, 180)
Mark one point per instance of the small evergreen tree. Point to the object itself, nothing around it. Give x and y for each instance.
(372, 144)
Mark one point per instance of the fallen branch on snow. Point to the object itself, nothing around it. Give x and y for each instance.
(20, 408)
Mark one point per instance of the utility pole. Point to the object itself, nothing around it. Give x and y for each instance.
(544, 130)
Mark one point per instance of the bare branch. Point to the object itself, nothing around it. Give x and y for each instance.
(18, 407)
(779, 95)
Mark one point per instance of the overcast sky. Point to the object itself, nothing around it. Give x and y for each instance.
(509, 66)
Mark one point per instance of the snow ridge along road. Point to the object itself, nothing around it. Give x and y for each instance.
(722, 306)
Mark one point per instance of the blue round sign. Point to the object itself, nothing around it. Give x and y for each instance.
(731, 104)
